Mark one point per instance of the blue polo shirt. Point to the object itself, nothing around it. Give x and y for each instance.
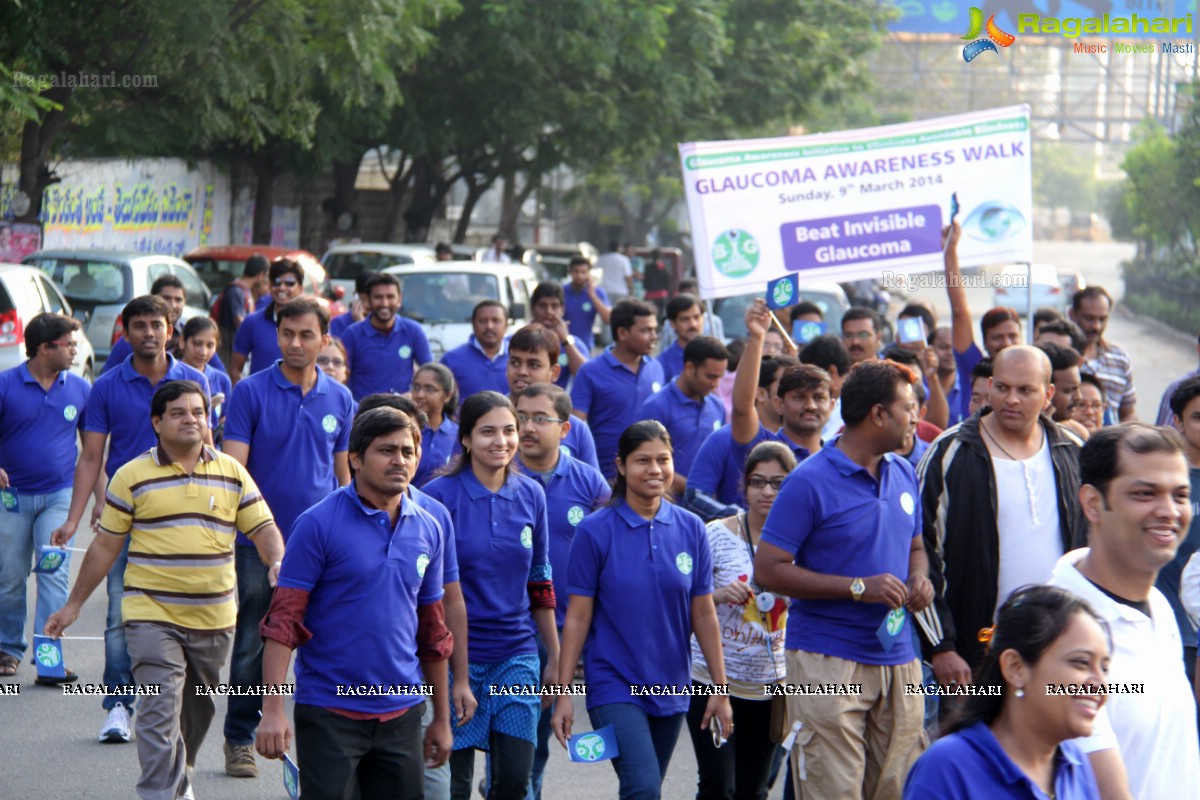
(955, 404)
(220, 383)
(964, 363)
(338, 325)
(292, 438)
(642, 575)
(919, 448)
(573, 490)
(672, 361)
(384, 361)
(579, 444)
(475, 372)
(365, 579)
(437, 448)
(740, 452)
(580, 314)
(715, 471)
(838, 520)
(439, 512)
(612, 395)
(502, 545)
(971, 763)
(564, 362)
(41, 422)
(122, 350)
(688, 421)
(258, 339)
(119, 407)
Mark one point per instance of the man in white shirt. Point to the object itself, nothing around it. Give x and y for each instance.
(1136, 496)
(496, 254)
(617, 280)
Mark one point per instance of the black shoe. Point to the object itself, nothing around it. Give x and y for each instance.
(70, 677)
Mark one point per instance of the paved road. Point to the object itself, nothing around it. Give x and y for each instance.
(49, 746)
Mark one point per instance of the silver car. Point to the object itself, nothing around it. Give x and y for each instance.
(24, 293)
(99, 283)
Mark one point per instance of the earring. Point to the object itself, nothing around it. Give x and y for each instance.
(1020, 691)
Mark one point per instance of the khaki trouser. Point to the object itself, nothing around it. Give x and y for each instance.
(171, 726)
(854, 746)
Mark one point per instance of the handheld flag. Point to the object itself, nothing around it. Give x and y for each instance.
(782, 292)
(594, 746)
(910, 329)
(291, 777)
(50, 559)
(891, 627)
(48, 655)
(804, 332)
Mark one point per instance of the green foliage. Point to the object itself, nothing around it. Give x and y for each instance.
(1063, 176)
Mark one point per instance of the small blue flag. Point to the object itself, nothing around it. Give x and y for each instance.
(48, 655)
(910, 329)
(593, 746)
(782, 292)
(889, 631)
(804, 332)
(9, 499)
(50, 559)
(291, 777)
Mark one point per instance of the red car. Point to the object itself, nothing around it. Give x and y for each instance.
(218, 266)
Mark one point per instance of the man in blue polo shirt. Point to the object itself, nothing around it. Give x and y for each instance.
(573, 490)
(843, 539)
(480, 364)
(171, 289)
(546, 304)
(686, 316)
(609, 390)
(118, 415)
(257, 339)
(385, 349)
(531, 360)
(582, 302)
(358, 720)
(42, 406)
(688, 407)
(289, 425)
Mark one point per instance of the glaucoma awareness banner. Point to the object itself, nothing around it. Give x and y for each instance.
(855, 204)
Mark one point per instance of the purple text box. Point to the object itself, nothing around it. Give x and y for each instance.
(855, 238)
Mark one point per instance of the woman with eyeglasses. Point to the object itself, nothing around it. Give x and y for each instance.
(436, 394)
(752, 623)
(332, 360)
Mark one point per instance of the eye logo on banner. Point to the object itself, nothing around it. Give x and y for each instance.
(598, 745)
(995, 36)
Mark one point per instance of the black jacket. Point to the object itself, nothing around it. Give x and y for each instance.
(958, 500)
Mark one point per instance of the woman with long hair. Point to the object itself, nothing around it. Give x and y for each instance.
(435, 393)
(501, 537)
(1044, 652)
(752, 622)
(640, 581)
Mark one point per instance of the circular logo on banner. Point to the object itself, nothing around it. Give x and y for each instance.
(574, 515)
(907, 503)
(590, 747)
(527, 537)
(895, 620)
(735, 253)
(48, 656)
(783, 293)
(329, 423)
(684, 562)
(50, 562)
(656, 386)
(586, 306)
(405, 351)
(422, 563)
(70, 412)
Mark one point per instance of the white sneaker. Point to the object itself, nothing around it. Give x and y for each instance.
(116, 725)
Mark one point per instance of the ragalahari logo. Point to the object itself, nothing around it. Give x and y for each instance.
(994, 37)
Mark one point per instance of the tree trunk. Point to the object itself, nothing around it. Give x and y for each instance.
(264, 200)
(424, 200)
(397, 186)
(510, 210)
(36, 141)
(345, 197)
(474, 192)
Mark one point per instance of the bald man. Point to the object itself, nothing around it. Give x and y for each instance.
(1000, 495)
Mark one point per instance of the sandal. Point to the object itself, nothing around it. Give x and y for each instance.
(8, 665)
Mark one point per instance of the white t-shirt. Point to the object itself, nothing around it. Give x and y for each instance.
(1155, 731)
(834, 426)
(616, 269)
(1027, 521)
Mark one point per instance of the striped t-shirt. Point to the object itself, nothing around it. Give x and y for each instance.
(181, 569)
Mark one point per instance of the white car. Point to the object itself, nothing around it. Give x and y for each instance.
(1012, 288)
(345, 262)
(24, 293)
(441, 297)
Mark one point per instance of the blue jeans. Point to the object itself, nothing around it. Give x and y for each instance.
(118, 666)
(245, 666)
(21, 531)
(646, 744)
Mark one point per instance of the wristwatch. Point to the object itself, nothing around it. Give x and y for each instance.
(857, 587)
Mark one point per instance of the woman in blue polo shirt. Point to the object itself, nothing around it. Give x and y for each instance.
(640, 579)
(1016, 745)
(434, 392)
(502, 541)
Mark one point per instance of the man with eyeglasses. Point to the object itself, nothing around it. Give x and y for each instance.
(41, 409)
(860, 334)
(573, 490)
(173, 293)
(257, 340)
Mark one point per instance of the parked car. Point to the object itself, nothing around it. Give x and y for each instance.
(1012, 290)
(441, 296)
(26, 292)
(1072, 282)
(346, 262)
(827, 296)
(219, 266)
(98, 284)
(553, 260)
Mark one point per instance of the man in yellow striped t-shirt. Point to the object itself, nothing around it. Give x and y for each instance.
(181, 504)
